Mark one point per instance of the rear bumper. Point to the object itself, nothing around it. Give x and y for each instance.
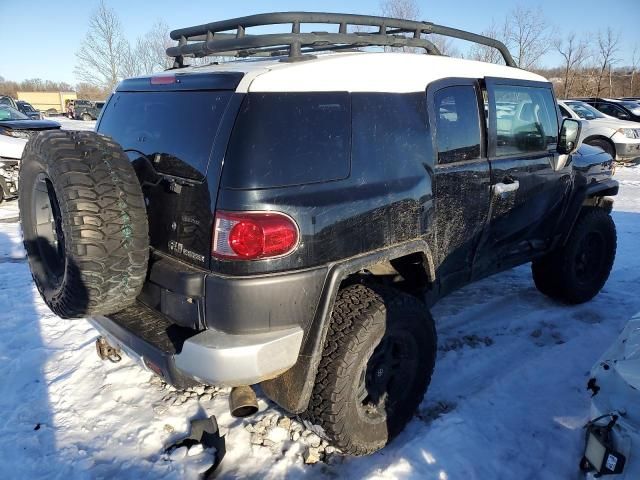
(215, 357)
(183, 356)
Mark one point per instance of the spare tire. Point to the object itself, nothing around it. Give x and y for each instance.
(84, 223)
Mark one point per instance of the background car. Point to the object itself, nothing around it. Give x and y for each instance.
(87, 111)
(28, 110)
(15, 130)
(7, 100)
(619, 138)
(621, 109)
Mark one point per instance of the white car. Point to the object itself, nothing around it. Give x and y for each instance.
(619, 138)
(613, 434)
(15, 130)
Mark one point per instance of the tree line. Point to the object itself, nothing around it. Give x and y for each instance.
(590, 63)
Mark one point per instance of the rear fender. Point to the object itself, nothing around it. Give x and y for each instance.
(292, 390)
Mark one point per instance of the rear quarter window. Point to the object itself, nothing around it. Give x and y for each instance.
(286, 139)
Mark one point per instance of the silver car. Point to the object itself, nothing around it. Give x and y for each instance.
(619, 138)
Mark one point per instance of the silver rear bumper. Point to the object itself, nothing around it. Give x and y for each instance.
(212, 356)
(215, 357)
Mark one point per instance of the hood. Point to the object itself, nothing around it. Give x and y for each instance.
(613, 123)
(29, 124)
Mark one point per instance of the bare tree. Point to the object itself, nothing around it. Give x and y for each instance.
(635, 60)
(607, 49)
(574, 53)
(151, 50)
(528, 36)
(484, 53)
(406, 9)
(99, 60)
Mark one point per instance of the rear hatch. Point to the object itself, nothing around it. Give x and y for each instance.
(174, 128)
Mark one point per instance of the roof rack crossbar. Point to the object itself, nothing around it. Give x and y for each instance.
(229, 37)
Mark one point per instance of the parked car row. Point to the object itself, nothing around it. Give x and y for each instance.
(617, 135)
(15, 130)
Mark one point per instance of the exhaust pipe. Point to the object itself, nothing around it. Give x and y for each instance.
(242, 401)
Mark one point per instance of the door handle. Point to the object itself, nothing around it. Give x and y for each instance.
(503, 188)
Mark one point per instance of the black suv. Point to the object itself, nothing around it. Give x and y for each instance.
(289, 221)
(622, 109)
(87, 111)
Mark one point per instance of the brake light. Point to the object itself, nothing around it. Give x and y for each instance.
(253, 235)
(163, 79)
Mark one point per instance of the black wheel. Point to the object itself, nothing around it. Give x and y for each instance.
(86, 117)
(84, 223)
(604, 145)
(577, 272)
(377, 362)
(2, 193)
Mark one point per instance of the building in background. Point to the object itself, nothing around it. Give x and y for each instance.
(48, 102)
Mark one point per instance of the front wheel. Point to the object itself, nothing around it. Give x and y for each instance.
(576, 272)
(377, 362)
(86, 117)
(604, 145)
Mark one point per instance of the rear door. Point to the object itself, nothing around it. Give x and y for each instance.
(462, 180)
(171, 132)
(529, 181)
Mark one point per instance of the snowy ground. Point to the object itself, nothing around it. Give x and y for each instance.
(73, 124)
(507, 400)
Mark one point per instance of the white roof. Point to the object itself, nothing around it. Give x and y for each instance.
(361, 72)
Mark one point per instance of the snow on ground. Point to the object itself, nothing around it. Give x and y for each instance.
(507, 400)
(69, 124)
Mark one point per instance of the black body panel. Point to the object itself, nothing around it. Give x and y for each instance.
(397, 192)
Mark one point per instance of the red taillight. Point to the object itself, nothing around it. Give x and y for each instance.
(163, 79)
(253, 235)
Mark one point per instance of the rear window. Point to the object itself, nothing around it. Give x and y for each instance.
(284, 139)
(174, 130)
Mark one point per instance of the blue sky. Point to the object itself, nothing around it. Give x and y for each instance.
(40, 37)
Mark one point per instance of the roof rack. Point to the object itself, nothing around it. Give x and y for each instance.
(229, 38)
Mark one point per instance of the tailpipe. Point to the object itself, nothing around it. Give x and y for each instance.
(242, 401)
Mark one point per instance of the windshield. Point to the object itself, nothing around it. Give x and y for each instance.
(10, 113)
(585, 111)
(634, 107)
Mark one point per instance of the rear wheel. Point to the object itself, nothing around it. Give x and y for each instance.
(576, 272)
(84, 223)
(86, 117)
(377, 362)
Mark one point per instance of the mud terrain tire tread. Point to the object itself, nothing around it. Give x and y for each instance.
(104, 221)
(359, 317)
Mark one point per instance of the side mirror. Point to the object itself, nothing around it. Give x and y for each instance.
(569, 135)
(623, 116)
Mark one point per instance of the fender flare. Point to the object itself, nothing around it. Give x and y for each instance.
(292, 390)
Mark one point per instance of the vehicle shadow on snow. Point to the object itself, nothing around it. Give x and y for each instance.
(27, 431)
(35, 380)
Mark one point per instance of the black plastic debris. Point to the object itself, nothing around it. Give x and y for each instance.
(204, 431)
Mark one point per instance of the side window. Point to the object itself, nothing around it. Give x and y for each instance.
(564, 111)
(457, 124)
(526, 120)
(609, 109)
